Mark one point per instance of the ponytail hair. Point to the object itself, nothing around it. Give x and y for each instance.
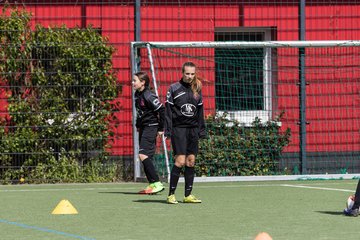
(196, 84)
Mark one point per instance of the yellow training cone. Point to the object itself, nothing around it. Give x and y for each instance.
(64, 207)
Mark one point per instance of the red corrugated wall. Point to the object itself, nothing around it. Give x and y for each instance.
(117, 23)
(197, 22)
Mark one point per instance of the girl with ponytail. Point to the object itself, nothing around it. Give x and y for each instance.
(185, 125)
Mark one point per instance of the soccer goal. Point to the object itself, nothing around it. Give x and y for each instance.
(275, 110)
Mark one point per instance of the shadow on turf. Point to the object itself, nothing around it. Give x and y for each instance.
(150, 201)
(141, 200)
(128, 193)
(331, 212)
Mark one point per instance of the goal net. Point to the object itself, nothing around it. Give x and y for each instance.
(277, 110)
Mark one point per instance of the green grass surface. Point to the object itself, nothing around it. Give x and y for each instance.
(230, 210)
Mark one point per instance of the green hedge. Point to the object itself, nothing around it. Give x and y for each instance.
(234, 150)
(60, 88)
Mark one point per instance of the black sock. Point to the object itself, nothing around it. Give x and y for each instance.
(357, 197)
(150, 171)
(189, 175)
(174, 179)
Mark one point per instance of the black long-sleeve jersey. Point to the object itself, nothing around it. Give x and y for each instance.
(183, 109)
(149, 110)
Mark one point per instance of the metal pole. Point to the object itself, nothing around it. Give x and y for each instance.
(135, 134)
(135, 64)
(302, 89)
(83, 16)
(137, 20)
(157, 94)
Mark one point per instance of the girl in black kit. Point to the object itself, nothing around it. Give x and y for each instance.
(149, 122)
(184, 123)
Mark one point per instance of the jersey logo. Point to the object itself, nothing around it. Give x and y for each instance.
(188, 110)
(156, 102)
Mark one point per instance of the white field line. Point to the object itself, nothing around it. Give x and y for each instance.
(317, 188)
(62, 189)
(122, 188)
(135, 188)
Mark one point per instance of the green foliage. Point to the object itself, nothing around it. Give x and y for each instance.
(235, 150)
(61, 87)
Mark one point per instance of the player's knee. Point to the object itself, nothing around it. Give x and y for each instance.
(180, 160)
(190, 164)
(190, 160)
(180, 164)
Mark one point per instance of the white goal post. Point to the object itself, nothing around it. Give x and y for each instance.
(136, 48)
(236, 44)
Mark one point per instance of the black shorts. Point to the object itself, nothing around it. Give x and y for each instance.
(147, 140)
(185, 141)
